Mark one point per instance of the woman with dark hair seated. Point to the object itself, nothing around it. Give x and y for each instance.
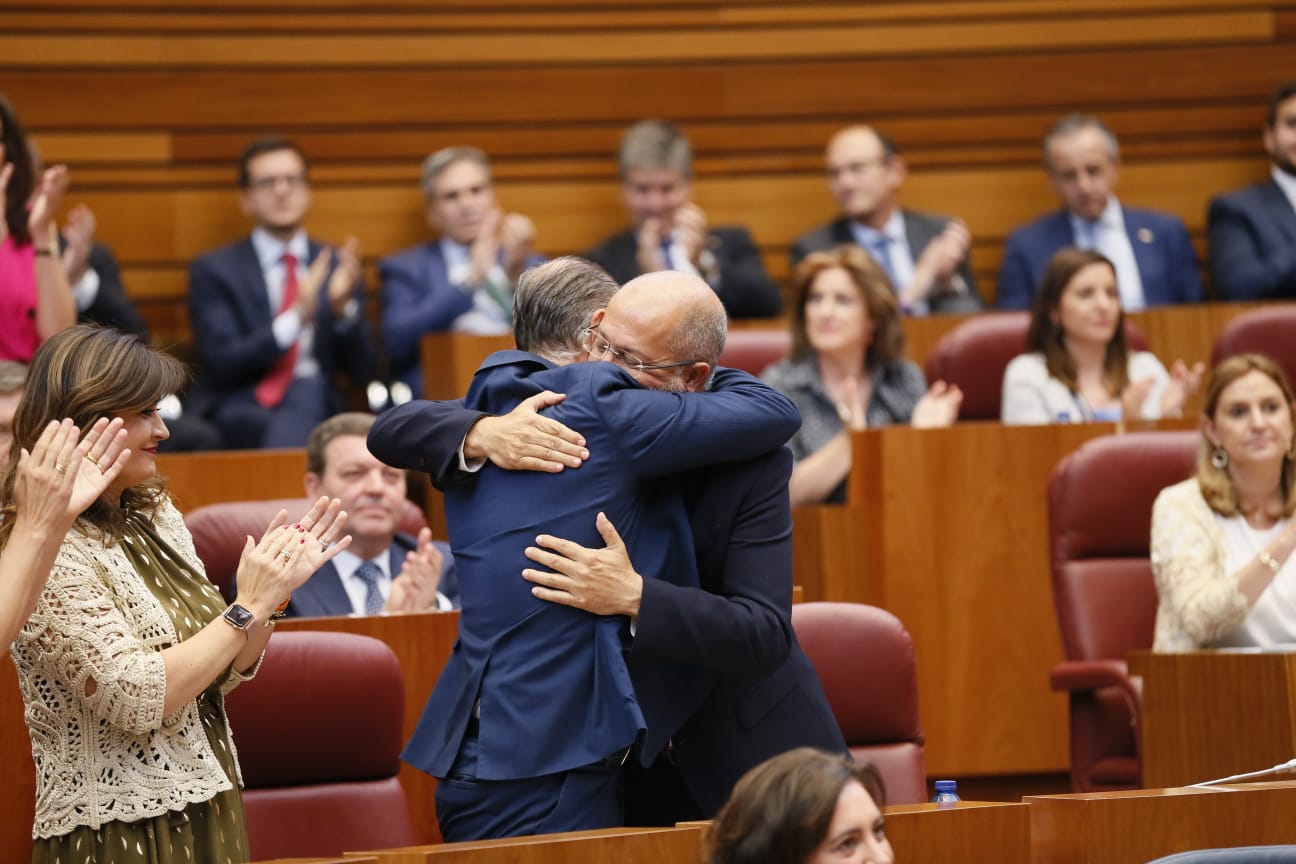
(847, 370)
(1079, 367)
(1222, 541)
(804, 806)
(125, 662)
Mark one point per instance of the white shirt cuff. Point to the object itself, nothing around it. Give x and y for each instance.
(287, 327)
(86, 290)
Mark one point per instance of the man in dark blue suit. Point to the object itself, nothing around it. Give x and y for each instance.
(382, 570)
(277, 318)
(463, 281)
(1253, 230)
(1152, 252)
(525, 670)
(737, 680)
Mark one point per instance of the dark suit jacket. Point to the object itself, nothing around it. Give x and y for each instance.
(543, 669)
(767, 697)
(764, 696)
(231, 317)
(1162, 249)
(111, 306)
(743, 287)
(323, 593)
(417, 298)
(920, 229)
(1253, 244)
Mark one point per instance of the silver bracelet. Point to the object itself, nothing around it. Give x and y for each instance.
(1269, 561)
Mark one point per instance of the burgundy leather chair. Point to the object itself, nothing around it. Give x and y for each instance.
(318, 733)
(1261, 331)
(1100, 518)
(865, 661)
(755, 350)
(219, 531)
(975, 354)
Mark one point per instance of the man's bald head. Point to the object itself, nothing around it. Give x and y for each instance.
(667, 317)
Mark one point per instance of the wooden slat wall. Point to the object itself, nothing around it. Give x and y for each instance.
(150, 104)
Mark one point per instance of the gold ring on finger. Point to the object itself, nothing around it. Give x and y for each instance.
(285, 555)
(60, 467)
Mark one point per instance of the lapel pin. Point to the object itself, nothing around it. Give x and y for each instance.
(1145, 235)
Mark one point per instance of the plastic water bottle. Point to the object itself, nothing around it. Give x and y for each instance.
(946, 793)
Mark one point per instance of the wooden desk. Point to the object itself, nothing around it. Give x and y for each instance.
(197, 479)
(450, 359)
(970, 833)
(947, 528)
(422, 643)
(622, 845)
(1212, 714)
(1139, 826)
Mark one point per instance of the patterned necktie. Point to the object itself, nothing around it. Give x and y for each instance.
(370, 573)
(270, 391)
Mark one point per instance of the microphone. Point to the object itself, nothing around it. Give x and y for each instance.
(1280, 768)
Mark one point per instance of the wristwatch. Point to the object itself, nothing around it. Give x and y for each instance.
(239, 617)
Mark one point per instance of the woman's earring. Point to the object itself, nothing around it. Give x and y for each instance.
(1219, 457)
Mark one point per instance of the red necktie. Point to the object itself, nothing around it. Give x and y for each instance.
(270, 392)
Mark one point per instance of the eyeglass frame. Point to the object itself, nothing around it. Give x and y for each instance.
(635, 369)
(271, 183)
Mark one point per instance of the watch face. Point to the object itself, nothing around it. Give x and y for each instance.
(238, 616)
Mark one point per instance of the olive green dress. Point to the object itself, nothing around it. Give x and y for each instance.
(209, 832)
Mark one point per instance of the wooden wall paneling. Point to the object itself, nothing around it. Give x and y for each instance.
(621, 45)
(18, 791)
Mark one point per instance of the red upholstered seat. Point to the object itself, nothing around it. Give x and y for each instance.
(975, 354)
(219, 531)
(865, 661)
(318, 732)
(1267, 330)
(755, 350)
(1100, 517)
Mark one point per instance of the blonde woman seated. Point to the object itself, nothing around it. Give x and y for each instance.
(847, 370)
(804, 806)
(1079, 367)
(1222, 541)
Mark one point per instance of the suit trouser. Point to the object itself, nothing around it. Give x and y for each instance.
(578, 800)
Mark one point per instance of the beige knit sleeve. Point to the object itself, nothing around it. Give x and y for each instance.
(1195, 591)
(84, 641)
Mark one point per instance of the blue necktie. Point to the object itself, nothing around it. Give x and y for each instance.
(666, 256)
(370, 573)
(880, 249)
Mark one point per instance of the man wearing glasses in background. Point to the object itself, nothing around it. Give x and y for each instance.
(277, 317)
(535, 712)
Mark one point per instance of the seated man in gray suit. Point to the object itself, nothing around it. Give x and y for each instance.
(382, 571)
(925, 256)
(463, 281)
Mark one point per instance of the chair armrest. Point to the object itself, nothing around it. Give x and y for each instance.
(1090, 675)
